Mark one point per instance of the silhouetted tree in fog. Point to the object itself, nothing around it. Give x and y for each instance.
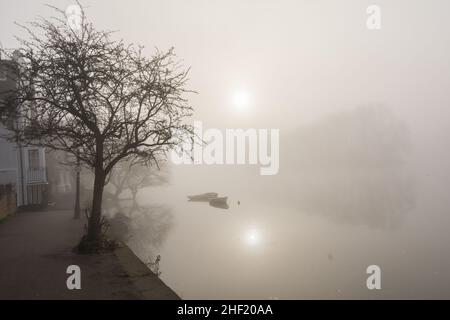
(84, 93)
(129, 176)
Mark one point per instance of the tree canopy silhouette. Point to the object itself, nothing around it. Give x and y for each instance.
(99, 99)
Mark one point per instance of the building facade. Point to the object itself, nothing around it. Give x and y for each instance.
(24, 167)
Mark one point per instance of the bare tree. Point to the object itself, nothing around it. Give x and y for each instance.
(129, 177)
(84, 93)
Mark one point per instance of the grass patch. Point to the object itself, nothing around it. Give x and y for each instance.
(3, 220)
(100, 246)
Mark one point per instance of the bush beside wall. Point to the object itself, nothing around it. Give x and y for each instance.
(8, 203)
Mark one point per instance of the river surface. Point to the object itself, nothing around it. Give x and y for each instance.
(270, 248)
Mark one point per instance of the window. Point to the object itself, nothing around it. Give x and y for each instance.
(33, 158)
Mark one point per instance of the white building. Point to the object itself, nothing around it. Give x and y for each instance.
(23, 167)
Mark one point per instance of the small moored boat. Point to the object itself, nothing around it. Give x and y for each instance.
(205, 197)
(219, 202)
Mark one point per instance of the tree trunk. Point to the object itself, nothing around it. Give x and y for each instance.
(94, 225)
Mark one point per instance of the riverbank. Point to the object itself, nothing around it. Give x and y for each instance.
(36, 249)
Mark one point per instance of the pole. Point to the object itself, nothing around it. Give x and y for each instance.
(77, 191)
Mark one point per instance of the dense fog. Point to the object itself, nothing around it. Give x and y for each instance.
(364, 158)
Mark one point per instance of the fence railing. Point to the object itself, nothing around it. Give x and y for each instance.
(36, 175)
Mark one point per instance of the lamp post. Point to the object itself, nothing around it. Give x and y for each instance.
(77, 189)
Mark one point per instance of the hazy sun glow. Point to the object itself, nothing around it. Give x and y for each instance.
(252, 237)
(241, 100)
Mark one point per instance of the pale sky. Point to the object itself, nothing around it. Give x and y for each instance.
(296, 60)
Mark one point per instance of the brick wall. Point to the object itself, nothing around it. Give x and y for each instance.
(8, 202)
